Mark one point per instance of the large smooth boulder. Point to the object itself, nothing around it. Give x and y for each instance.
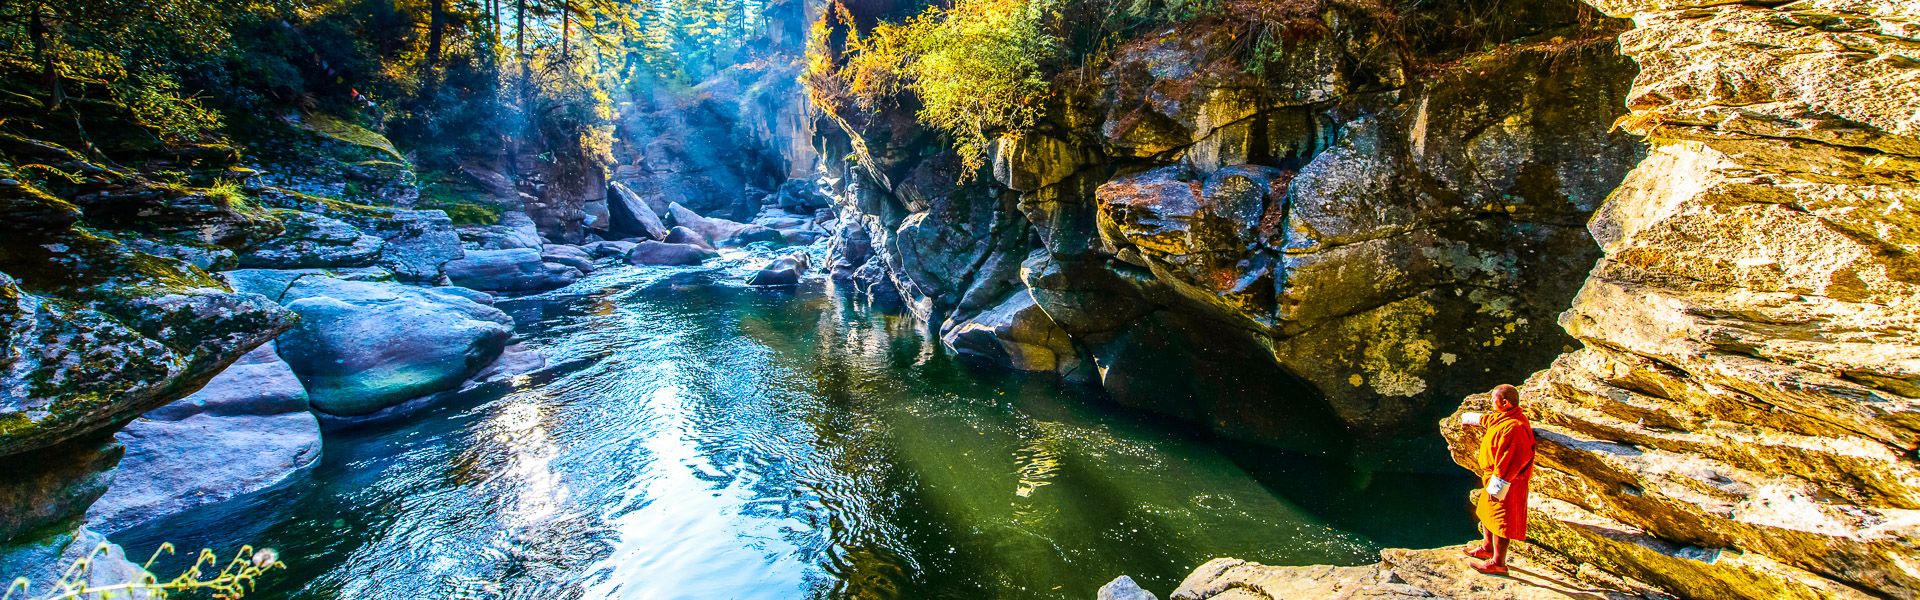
(722, 232)
(248, 429)
(608, 248)
(571, 256)
(783, 271)
(800, 195)
(662, 253)
(363, 346)
(1016, 333)
(514, 270)
(683, 235)
(632, 215)
(314, 241)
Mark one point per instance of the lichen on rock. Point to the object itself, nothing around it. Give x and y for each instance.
(1742, 418)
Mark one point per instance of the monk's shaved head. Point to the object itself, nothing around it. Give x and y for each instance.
(1506, 394)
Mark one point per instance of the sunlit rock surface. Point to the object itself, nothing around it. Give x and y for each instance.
(1370, 245)
(1441, 573)
(1742, 418)
(364, 346)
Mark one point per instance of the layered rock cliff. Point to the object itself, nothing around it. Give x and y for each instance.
(1348, 237)
(1742, 417)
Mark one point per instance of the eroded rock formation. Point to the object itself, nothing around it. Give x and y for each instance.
(1356, 236)
(1742, 416)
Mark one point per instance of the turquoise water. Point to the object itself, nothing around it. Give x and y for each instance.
(702, 439)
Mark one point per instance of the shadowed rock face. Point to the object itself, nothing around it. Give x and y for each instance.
(95, 330)
(248, 429)
(1742, 416)
(1382, 232)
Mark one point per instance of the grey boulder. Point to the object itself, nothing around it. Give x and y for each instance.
(785, 270)
(682, 235)
(417, 242)
(246, 430)
(721, 231)
(515, 270)
(516, 230)
(1123, 588)
(314, 241)
(571, 256)
(363, 346)
(631, 214)
(663, 253)
(608, 248)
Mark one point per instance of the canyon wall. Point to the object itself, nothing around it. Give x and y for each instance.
(1369, 227)
(1742, 415)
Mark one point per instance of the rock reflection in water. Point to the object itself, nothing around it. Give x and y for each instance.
(706, 439)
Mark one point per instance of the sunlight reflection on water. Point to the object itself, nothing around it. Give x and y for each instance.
(712, 440)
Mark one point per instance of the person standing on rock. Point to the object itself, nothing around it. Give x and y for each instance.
(1506, 463)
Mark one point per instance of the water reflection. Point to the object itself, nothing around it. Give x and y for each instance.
(711, 440)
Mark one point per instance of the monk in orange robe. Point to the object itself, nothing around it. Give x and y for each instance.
(1506, 463)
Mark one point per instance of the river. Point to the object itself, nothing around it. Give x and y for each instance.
(703, 439)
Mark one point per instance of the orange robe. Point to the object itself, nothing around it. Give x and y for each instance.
(1506, 451)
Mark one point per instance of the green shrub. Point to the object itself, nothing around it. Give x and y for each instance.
(468, 213)
(976, 68)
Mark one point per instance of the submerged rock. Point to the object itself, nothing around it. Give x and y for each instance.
(363, 346)
(784, 271)
(1123, 588)
(509, 370)
(246, 430)
(513, 270)
(663, 253)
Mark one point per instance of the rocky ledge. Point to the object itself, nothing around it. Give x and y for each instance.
(1346, 241)
(1400, 575)
(1742, 417)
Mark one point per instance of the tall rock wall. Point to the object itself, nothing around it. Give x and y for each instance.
(1347, 238)
(1742, 417)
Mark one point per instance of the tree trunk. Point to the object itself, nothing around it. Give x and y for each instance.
(520, 50)
(436, 29)
(49, 77)
(566, 30)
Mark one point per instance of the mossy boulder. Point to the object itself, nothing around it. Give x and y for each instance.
(314, 241)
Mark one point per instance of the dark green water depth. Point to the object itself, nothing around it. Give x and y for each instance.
(703, 439)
